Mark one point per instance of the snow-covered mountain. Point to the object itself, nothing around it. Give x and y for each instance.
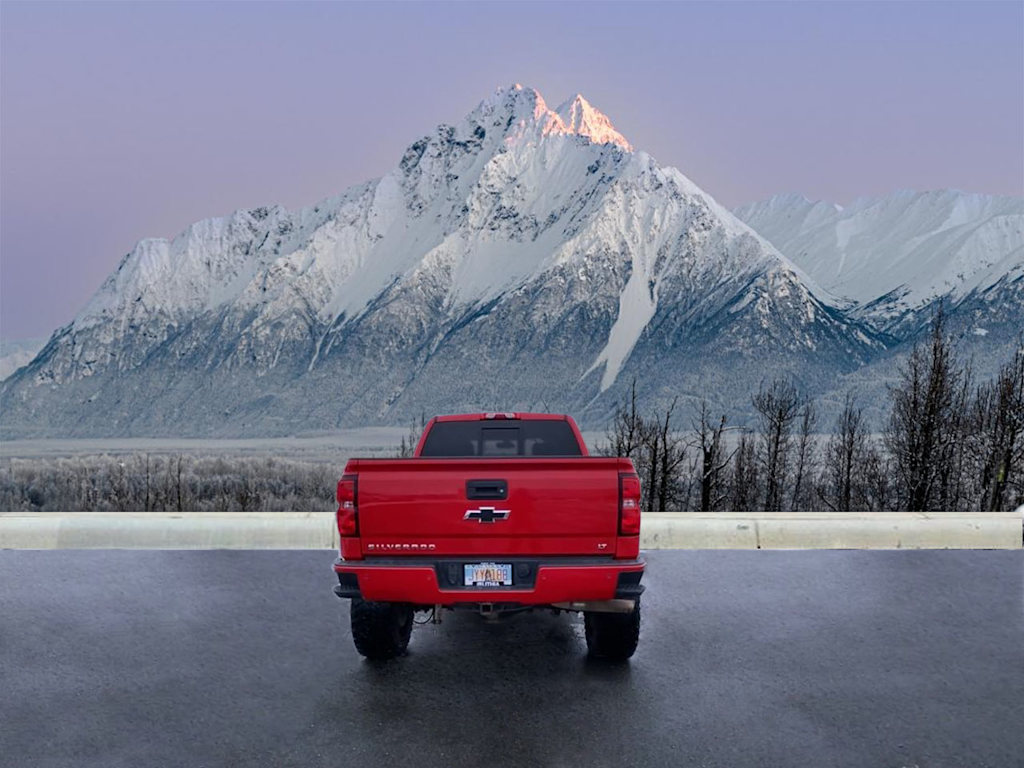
(893, 257)
(893, 260)
(14, 354)
(523, 258)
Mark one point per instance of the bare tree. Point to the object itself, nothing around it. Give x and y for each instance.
(923, 423)
(120, 487)
(409, 442)
(845, 454)
(658, 453)
(149, 485)
(745, 486)
(953, 475)
(689, 481)
(875, 492)
(627, 437)
(665, 455)
(713, 459)
(180, 493)
(777, 406)
(802, 477)
(625, 434)
(997, 421)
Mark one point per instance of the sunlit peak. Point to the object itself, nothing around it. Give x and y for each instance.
(582, 118)
(576, 116)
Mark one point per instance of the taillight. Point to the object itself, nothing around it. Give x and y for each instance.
(348, 510)
(629, 505)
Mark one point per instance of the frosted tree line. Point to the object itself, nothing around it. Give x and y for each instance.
(175, 483)
(949, 443)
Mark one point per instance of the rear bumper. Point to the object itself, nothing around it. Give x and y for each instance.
(426, 581)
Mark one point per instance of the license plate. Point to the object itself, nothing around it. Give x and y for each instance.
(488, 574)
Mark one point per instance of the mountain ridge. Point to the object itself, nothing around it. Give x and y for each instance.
(892, 258)
(514, 260)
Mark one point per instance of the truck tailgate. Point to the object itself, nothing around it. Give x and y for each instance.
(488, 506)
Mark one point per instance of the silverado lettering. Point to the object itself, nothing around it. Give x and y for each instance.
(497, 513)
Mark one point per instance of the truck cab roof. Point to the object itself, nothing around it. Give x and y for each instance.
(501, 434)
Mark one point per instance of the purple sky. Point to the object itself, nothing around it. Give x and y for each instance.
(125, 120)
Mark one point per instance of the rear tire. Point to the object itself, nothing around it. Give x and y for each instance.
(380, 630)
(612, 636)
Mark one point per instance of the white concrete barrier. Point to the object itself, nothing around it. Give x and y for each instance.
(661, 530)
(890, 530)
(692, 530)
(158, 530)
(833, 530)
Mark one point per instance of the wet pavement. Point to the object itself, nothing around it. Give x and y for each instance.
(746, 658)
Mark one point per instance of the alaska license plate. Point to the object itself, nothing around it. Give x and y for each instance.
(488, 574)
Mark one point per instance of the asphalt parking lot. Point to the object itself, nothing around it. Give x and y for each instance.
(746, 658)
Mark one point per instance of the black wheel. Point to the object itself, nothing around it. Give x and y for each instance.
(380, 630)
(612, 636)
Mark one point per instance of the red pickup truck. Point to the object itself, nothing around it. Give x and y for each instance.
(495, 513)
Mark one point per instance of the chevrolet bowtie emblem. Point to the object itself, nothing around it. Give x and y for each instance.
(486, 514)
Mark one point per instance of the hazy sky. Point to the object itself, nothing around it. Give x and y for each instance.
(125, 120)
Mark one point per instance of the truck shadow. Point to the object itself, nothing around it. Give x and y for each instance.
(480, 686)
(527, 649)
(524, 641)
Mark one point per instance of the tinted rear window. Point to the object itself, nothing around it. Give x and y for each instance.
(501, 438)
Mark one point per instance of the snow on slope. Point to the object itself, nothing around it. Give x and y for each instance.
(897, 254)
(523, 254)
(356, 244)
(516, 162)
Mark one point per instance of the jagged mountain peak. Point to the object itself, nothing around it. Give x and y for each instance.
(582, 118)
(529, 114)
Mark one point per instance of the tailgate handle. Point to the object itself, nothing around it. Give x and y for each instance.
(487, 489)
